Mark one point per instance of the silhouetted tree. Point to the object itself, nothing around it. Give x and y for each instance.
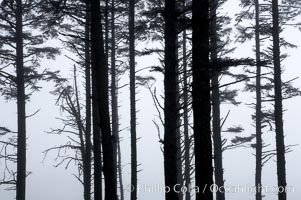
(201, 98)
(100, 68)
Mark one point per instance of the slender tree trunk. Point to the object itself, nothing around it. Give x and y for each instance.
(133, 99)
(258, 169)
(113, 89)
(101, 71)
(107, 29)
(201, 98)
(87, 170)
(280, 148)
(21, 150)
(217, 138)
(120, 169)
(96, 142)
(216, 125)
(185, 121)
(180, 180)
(170, 103)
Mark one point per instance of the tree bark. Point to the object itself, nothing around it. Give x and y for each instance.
(201, 98)
(170, 102)
(101, 71)
(280, 148)
(21, 149)
(133, 99)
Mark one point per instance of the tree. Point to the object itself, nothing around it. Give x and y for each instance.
(18, 48)
(201, 98)
(280, 147)
(100, 68)
(170, 101)
(133, 99)
(216, 126)
(21, 153)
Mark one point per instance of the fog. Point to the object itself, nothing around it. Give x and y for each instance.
(48, 182)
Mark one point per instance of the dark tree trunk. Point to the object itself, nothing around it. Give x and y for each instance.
(216, 125)
(280, 148)
(96, 142)
(100, 66)
(87, 170)
(201, 98)
(258, 169)
(113, 89)
(170, 102)
(120, 169)
(107, 29)
(185, 121)
(21, 149)
(133, 99)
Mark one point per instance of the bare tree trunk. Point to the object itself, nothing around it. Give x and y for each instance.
(216, 125)
(133, 99)
(113, 89)
(21, 149)
(201, 98)
(280, 148)
(96, 142)
(185, 121)
(107, 29)
(180, 180)
(258, 169)
(87, 170)
(101, 71)
(120, 169)
(170, 102)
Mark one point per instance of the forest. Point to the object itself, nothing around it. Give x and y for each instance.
(150, 99)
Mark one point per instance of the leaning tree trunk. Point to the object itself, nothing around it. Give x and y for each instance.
(101, 71)
(216, 125)
(88, 149)
(201, 98)
(258, 169)
(170, 102)
(21, 148)
(280, 148)
(133, 99)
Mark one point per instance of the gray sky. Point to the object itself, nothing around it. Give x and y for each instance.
(50, 183)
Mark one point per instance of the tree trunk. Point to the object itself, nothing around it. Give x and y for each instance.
(133, 99)
(87, 170)
(280, 148)
(107, 28)
(201, 98)
(180, 180)
(101, 71)
(21, 150)
(170, 102)
(258, 169)
(120, 169)
(113, 89)
(96, 142)
(185, 121)
(216, 125)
